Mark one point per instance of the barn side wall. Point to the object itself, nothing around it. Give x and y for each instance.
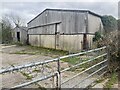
(73, 25)
(72, 43)
(94, 24)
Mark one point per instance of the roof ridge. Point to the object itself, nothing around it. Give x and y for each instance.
(66, 10)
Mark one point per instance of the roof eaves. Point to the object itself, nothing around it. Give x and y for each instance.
(37, 16)
(66, 10)
(95, 14)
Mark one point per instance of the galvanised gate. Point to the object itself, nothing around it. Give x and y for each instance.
(91, 65)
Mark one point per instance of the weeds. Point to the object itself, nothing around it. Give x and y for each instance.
(113, 78)
(36, 70)
(33, 50)
(28, 76)
(72, 60)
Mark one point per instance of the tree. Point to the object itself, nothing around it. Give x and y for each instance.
(0, 32)
(16, 20)
(8, 22)
(118, 21)
(109, 23)
(118, 38)
(6, 30)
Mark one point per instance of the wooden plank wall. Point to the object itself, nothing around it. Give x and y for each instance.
(71, 22)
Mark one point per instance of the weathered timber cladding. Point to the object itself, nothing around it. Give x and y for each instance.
(71, 22)
(23, 34)
(94, 24)
(50, 29)
(63, 29)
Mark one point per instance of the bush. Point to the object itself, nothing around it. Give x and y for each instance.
(111, 40)
(109, 23)
(96, 40)
(6, 32)
(97, 36)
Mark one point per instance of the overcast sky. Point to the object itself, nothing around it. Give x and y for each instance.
(28, 10)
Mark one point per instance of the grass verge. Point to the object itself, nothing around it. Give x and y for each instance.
(34, 50)
(113, 79)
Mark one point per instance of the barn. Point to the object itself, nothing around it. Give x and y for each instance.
(19, 34)
(70, 30)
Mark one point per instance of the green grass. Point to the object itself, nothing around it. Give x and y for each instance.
(113, 78)
(75, 60)
(79, 59)
(28, 76)
(100, 80)
(33, 50)
(36, 70)
(72, 60)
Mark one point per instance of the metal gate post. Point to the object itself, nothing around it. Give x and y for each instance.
(58, 81)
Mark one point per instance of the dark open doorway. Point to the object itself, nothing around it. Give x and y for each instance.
(85, 42)
(18, 36)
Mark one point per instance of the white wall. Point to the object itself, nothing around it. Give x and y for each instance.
(70, 43)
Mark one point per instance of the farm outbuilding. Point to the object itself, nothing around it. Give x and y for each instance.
(70, 30)
(20, 34)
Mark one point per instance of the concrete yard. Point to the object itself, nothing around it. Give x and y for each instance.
(9, 59)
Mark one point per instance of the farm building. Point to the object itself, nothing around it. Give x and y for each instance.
(70, 30)
(20, 34)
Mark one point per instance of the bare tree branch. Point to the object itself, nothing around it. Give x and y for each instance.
(16, 20)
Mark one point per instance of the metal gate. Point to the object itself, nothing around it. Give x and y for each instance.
(91, 65)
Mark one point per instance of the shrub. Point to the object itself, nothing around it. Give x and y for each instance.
(109, 23)
(6, 31)
(97, 36)
(111, 40)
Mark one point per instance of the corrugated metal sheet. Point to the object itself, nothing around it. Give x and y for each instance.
(69, 26)
(94, 24)
(71, 22)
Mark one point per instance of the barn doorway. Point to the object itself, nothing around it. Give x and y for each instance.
(18, 36)
(85, 42)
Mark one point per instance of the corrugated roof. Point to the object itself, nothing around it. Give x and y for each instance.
(68, 11)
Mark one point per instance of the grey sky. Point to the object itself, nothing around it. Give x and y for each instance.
(119, 10)
(28, 10)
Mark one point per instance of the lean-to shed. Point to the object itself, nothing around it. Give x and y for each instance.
(70, 30)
